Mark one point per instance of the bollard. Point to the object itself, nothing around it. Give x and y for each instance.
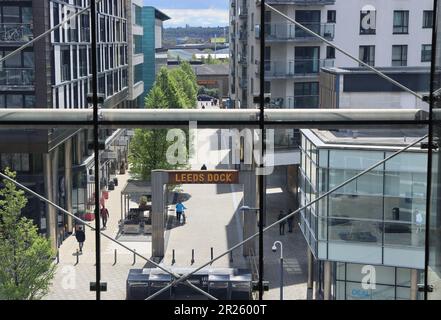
(231, 256)
(78, 257)
(212, 256)
(134, 256)
(173, 257)
(115, 257)
(192, 256)
(58, 256)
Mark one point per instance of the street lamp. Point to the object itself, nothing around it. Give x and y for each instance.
(274, 248)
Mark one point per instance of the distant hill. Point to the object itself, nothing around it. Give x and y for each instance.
(181, 35)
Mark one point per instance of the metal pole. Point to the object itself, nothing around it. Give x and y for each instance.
(115, 257)
(173, 257)
(134, 256)
(262, 193)
(212, 254)
(281, 277)
(93, 25)
(192, 256)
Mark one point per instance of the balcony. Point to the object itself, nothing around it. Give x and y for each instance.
(243, 35)
(17, 77)
(243, 59)
(290, 32)
(295, 68)
(297, 102)
(302, 2)
(15, 32)
(243, 13)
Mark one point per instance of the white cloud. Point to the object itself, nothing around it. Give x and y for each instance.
(196, 17)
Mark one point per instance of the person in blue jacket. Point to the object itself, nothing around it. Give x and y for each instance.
(180, 211)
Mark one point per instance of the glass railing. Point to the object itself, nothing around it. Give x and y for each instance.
(291, 102)
(16, 76)
(295, 68)
(16, 32)
(288, 31)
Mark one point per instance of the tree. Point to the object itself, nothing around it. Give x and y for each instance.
(173, 92)
(187, 86)
(26, 258)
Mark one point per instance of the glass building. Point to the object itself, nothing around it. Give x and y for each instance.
(378, 219)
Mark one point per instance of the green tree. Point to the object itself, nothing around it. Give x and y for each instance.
(172, 90)
(187, 86)
(26, 258)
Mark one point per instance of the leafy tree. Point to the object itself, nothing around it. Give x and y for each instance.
(173, 91)
(187, 86)
(26, 258)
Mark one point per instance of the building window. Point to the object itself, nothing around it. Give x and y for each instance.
(368, 22)
(332, 16)
(15, 161)
(427, 19)
(267, 87)
(367, 55)
(401, 22)
(306, 95)
(399, 56)
(330, 52)
(426, 53)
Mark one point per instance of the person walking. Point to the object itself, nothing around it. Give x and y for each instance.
(104, 215)
(204, 167)
(281, 223)
(290, 221)
(80, 235)
(180, 211)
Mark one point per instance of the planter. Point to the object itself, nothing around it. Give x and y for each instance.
(89, 216)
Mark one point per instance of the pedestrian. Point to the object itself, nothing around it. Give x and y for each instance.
(204, 167)
(281, 223)
(290, 221)
(80, 235)
(104, 215)
(180, 211)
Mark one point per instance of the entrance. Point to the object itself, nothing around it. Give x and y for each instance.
(162, 178)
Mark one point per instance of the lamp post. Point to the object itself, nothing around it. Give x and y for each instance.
(274, 248)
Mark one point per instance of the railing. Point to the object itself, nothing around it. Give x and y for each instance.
(288, 31)
(16, 32)
(296, 68)
(17, 76)
(298, 102)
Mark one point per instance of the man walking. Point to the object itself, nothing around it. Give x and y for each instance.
(179, 211)
(281, 223)
(80, 235)
(290, 221)
(105, 216)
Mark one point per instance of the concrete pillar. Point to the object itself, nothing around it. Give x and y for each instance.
(327, 280)
(51, 231)
(68, 174)
(249, 181)
(310, 269)
(55, 186)
(159, 179)
(413, 284)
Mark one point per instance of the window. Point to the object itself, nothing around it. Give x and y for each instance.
(426, 53)
(368, 22)
(306, 95)
(330, 52)
(401, 22)
(15, 161)
(427, 19)
(332, 16)
(399, 56)
(367, 55)
(267, 86)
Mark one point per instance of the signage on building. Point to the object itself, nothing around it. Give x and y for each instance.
(207, 82)
(204, 177)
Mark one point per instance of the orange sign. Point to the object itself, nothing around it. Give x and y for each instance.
(204, 177)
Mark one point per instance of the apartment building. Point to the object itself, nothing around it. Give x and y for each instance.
(135, 56)
(383, 34)
(56, 72)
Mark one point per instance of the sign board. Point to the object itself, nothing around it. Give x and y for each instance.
(204, 177)
(207, 82)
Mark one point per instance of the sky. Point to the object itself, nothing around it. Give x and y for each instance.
(205, 13)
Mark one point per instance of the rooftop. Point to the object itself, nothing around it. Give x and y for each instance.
(374, 139)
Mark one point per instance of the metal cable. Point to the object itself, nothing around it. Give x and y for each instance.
(185, 277)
